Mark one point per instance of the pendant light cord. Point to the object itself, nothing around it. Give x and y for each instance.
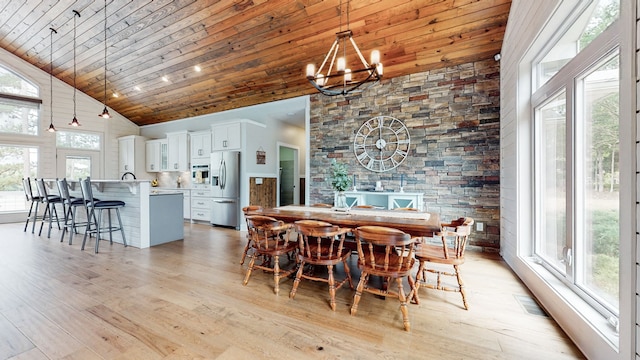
(105, 54)
(51, 78)
(74, 61)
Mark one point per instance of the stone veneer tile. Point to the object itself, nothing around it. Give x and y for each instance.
(452, 115)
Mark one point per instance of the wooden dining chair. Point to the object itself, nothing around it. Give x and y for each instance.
(245, 211)
(270, 239)
(454, 236)
(363, 207)
(388, 253)
(321, 244)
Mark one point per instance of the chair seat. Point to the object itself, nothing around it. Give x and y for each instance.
(53, 198)
(282, 247)
(392, 268)
(326, 257)
(435, 254)
(108, 203)
(74, 202)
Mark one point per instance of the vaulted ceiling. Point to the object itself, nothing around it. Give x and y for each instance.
(250, 51)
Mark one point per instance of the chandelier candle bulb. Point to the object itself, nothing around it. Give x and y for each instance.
(375, 57)
(379, 69)
(347, 75)
(311, 69)
(341, 64)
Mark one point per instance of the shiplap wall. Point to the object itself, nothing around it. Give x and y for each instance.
(87, 113)
(533, 22)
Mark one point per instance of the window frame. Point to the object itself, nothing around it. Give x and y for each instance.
(27, 100)
(600, 50)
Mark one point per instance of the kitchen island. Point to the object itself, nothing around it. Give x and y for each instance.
(149, 218)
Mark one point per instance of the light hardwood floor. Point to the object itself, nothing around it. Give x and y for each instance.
(186, 300)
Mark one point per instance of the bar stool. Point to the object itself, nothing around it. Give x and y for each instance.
(70, 204)
(34, 200)
(94, 223)
(50, 201)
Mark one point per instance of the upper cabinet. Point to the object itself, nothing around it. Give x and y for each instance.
(178, 147)
(131, 150)
(157, 155)
(226, 137)
(200, 145)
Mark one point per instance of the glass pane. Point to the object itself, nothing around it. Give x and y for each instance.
(597, 237)
(19, 117)
(552, 160)
(10, 83)
(77, 140)
(77, 167)
(16, 162)
(587, 27)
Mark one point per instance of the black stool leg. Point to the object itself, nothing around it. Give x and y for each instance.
(124, 240)
(35, 218)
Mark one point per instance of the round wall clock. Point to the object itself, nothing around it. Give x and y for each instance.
(382, 143)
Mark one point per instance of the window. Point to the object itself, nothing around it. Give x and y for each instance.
(78, 154)
(588, 24)
(576, 121)
(16, 162)
(77, 140)
(19, 104)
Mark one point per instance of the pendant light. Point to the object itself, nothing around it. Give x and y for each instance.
(51, 127)
(74, 122)
(105, 112)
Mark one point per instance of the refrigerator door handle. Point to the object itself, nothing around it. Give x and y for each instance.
(223, 175)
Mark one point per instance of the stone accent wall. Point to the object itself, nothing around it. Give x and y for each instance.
(453, 118)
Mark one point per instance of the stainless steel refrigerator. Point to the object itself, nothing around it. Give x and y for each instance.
(224, 174)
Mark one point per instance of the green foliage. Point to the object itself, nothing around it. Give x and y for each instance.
(606, 274)
(606, 233)
(604, 15)
(339, 177)
(606, 242)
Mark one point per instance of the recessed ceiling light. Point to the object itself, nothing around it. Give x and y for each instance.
(136, 88)
(165, 79)
(197, 68)
(115, 95)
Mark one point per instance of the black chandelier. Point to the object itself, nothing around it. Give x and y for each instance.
(343, 80)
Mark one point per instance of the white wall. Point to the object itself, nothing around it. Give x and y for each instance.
(526, 22)
(87, 110)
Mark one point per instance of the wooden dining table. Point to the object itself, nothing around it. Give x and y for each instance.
(414, 223)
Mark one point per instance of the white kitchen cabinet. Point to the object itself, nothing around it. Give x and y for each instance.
(201, 204)
(178, 151)
(226, 136)
(131, 155)
(200, 144)
(186, 205)
(156, 155)
(153, 155)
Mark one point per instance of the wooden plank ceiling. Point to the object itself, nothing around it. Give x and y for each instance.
(250, 51)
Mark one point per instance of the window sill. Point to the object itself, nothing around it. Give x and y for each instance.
(588, 329)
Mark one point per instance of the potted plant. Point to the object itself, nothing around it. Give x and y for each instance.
(340, 182)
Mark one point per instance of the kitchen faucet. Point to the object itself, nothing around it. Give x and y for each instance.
(128, 173)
